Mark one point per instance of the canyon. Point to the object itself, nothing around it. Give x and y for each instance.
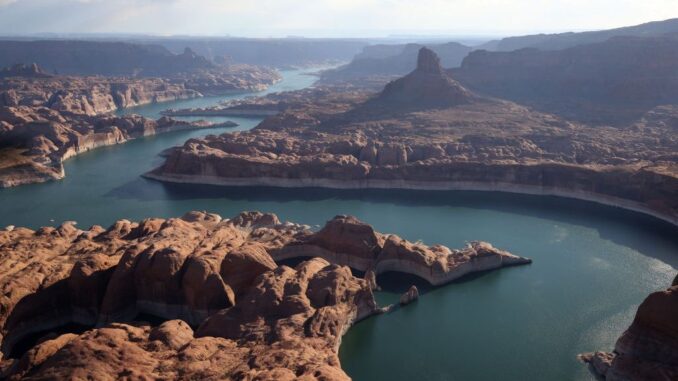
(428, 131)
(228, 310)
(397, 137)
(45, 119)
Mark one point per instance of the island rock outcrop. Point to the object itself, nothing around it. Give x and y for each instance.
(410, 296)
(614, 81)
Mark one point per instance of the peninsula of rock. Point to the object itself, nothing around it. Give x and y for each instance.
(45, 119)
(76, 303)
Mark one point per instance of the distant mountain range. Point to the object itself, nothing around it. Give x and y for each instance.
(274, 52)
(395, 60)
(558, 41)
(279, 53)
(612, 81)
(100, 58)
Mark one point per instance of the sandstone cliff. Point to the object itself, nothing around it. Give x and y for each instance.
(377, 64)
(36, 140)
(648, 350)
(425, 87)
(350, 242)
(610, 82)
(425, 131)
(89, 95)
(46, 119)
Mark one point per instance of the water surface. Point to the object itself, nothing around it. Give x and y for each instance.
(592, 265)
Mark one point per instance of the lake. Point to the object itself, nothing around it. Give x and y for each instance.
(593, 264)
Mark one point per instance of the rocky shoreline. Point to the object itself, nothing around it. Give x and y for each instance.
(648, 349)
(215, 285)
(426, 131)
(417, 185)
(42, 159)
(47, 119)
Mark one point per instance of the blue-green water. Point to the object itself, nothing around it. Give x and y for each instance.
(592, 265)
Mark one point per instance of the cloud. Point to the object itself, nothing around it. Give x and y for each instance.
(325, 17)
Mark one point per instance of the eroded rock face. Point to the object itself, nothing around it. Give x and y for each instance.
(428, 62)
(613, 81)
(648, 350)
(230, 312)
(168, 268)
(348, 241)
(287, 328)
(37, 139)
(89, 95)
(45, 119)
(377, 64)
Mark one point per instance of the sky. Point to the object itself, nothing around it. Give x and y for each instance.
(325, 18)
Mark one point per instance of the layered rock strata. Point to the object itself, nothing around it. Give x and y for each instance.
(648, 350)
(350, 242)
(36, 140)
(46, 119)
(608, 82)
(28, 85)
(426, 131)
(230, 312)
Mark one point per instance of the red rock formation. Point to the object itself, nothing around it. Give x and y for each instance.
(37, 139)
(377, 64)
(45, 119)
(440, 138)
(648, 350)
(608, 82)
(253, 319)
(347, 241)
(427, 86)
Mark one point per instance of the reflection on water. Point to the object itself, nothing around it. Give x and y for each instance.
(592, 264)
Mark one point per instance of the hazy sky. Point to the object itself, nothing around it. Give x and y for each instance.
(350, 18)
